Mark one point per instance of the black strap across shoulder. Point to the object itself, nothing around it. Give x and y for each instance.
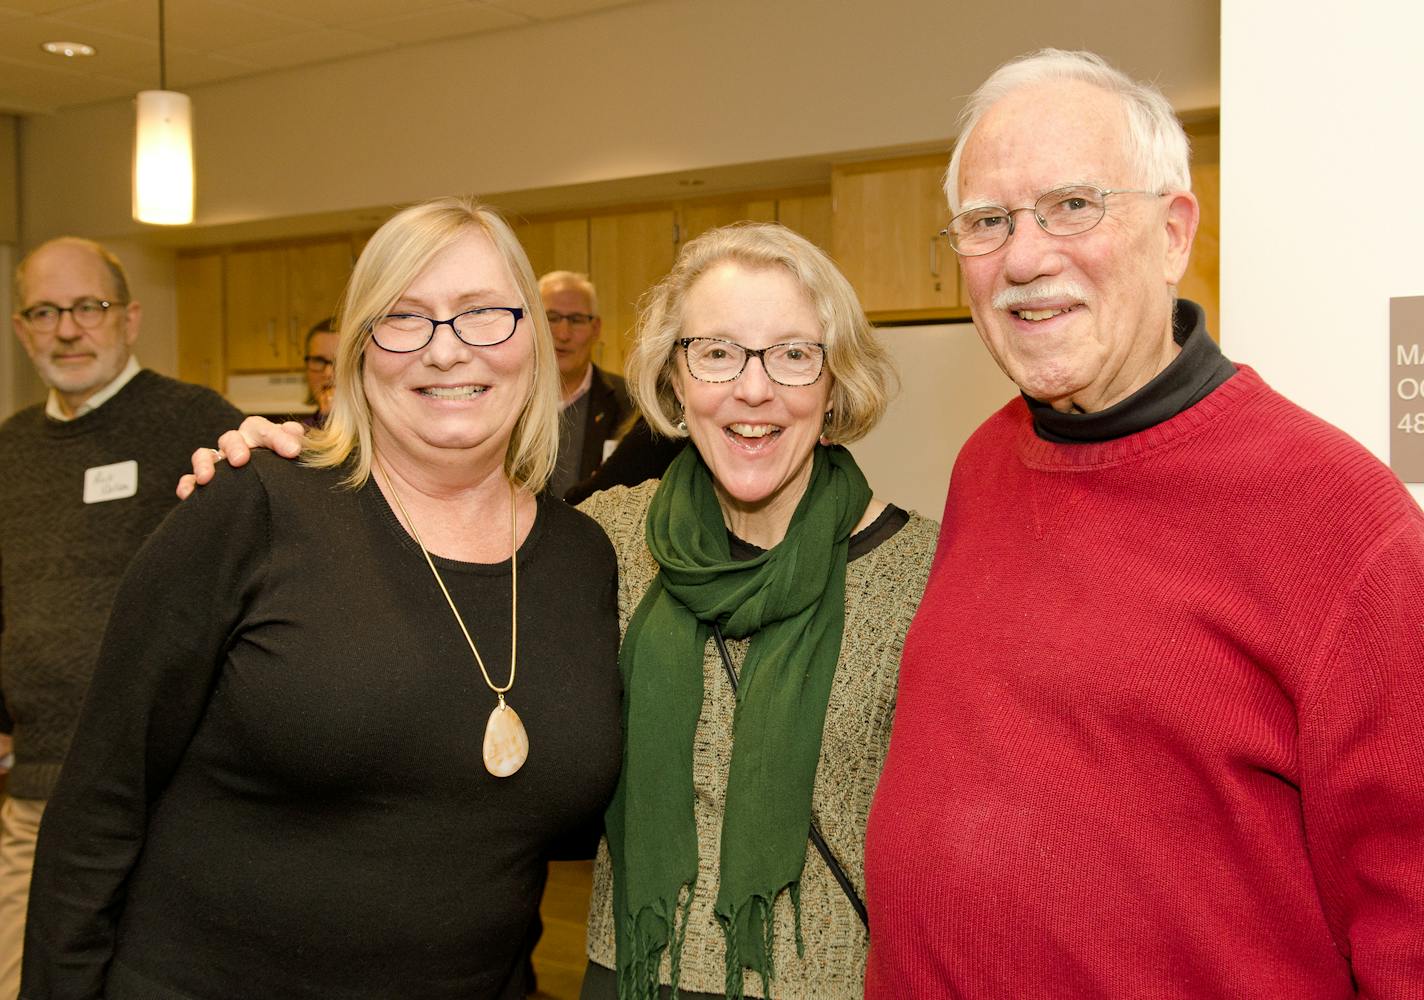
(821, 846)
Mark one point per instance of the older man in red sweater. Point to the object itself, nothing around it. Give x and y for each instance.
(1160, 730)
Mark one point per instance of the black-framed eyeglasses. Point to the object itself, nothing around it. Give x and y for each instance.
(793, 364)
(319, 363)
(401, 333)
(1065, 211)
(573, 319)
(87, 313)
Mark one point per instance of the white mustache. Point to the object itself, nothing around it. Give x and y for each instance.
(1017, 295)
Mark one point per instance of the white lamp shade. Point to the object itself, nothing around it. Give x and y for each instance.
(163, 158)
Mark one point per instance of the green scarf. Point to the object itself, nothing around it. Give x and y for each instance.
(791, 601)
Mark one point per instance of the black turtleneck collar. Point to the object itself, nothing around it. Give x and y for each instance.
(1198, 369)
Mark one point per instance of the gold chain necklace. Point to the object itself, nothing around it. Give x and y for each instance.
(506, 744)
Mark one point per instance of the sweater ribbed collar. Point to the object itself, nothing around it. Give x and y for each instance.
(1226, 398)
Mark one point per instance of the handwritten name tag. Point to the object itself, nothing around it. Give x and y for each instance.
(110, 482)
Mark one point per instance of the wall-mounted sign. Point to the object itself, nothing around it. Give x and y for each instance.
(1406, 379)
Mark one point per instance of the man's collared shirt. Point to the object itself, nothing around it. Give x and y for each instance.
(55, 411)
(581, 391)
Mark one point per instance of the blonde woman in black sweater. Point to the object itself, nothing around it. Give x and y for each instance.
(300, 771)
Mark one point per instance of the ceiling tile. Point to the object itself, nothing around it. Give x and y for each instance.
(210, 24)
(39, 6)
(210, 40)
(132, 18)
(26, 87)
(546, 10)
(22, 40)
(343, 12)
(188, 69)
(449, 21)
(305, 47)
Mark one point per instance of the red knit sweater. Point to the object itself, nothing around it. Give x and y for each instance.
(1160, 729)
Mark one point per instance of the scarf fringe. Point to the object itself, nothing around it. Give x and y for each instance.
(639, 979)
(759, 911)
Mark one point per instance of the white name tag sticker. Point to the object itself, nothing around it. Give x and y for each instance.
(111, 482)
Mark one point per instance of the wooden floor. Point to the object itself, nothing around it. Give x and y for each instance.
(559, 960)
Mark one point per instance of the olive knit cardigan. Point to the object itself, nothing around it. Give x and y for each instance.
(883, 588)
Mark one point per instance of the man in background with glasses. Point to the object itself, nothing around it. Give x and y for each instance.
(84, 479)
(596, 403)
(1160, 725)
(320, 358)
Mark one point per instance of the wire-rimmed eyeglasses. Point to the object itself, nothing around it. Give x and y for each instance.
(710, 359)
(87, 313)
(401, 333)
(1065, 211)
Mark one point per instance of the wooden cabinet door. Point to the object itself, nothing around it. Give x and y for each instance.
(809, 215)
(199, 282)
(698, 217)
(557, 245)
(885, 223)
(1202, 282)
(627, 255)
(255, 311)
(316, 278)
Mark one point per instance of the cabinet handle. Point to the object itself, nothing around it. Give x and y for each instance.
(934, 256)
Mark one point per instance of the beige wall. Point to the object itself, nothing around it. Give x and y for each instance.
(1321, 221)
(626, 92)
(629, 92)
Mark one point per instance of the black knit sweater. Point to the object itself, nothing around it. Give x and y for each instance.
(276, 788)
(61, 558)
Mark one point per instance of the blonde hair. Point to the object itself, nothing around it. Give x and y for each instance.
(398, 252)
(863, 377)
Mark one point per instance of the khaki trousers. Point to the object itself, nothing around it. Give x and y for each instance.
(19, 825)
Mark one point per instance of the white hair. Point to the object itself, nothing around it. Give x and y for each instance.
(557, 280)
(1160, 153)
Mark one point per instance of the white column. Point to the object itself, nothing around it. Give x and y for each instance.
(1322, 209)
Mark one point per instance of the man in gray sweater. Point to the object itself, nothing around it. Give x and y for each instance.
(84, 478)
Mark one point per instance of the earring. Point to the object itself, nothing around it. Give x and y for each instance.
(826, 422)
(682, 424)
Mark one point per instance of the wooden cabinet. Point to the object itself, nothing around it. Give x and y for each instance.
(628, 254)
(254, 315)
(809, 215)
(274, 295)
(555, 244)
(885, 221)
(199, 280)
(695, 218)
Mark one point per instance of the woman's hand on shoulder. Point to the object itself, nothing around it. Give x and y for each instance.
(235, 447)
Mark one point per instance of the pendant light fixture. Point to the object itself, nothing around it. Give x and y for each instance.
(163, 150)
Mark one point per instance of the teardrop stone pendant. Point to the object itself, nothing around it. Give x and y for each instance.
(506, 743)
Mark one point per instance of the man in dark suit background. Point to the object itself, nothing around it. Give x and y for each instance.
(595, 402)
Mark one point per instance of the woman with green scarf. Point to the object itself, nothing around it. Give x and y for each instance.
(735, 839)
(764, 596)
